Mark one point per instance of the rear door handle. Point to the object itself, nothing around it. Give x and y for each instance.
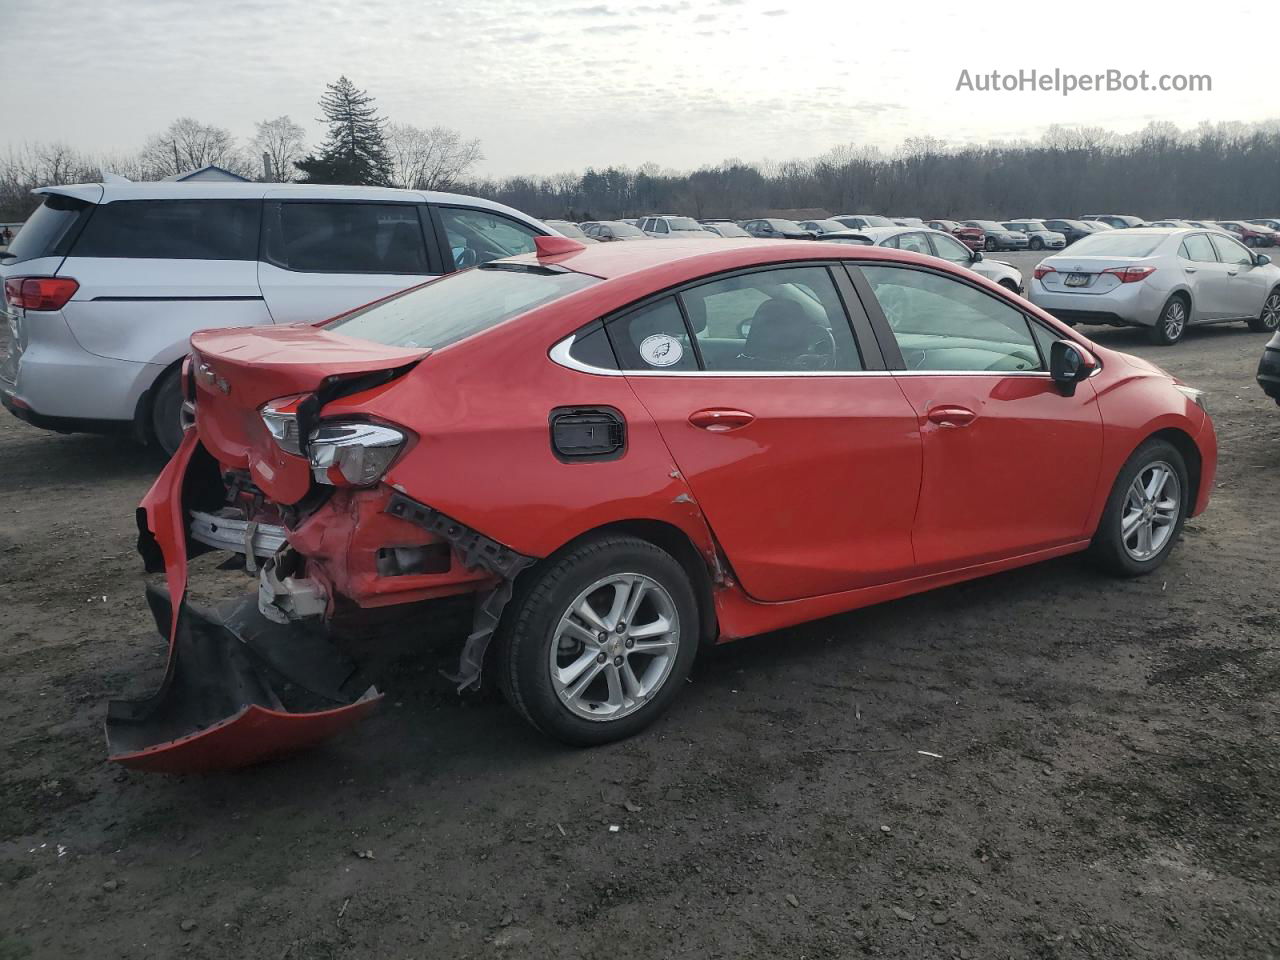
(1188, 269)
(1232, 273)
(952, 416)
(720, 419)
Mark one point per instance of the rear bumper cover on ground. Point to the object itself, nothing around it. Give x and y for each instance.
(237, 688)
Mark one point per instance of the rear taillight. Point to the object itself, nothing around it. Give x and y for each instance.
(352, 454)
(281, 419)
(1041, 270)
(1130, 274)
(39, 293)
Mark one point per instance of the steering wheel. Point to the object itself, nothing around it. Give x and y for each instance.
(823, 352)
(465, 259)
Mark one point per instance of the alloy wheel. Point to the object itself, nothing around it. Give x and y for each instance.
(1175, 318)
(614, 647)
(1152, 505)
(1271, 312)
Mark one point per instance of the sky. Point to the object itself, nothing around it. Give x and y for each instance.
(561, 85)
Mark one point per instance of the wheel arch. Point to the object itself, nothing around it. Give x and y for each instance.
(675, 541)
(1183, 442)
(142, 430)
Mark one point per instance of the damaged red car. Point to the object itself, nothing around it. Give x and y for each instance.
(626, 453)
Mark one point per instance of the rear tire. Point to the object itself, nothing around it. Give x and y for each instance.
(1120, 545)
(1172, 322)
(166, 411)
(991, 244)
(544, 631)
(1268, 321)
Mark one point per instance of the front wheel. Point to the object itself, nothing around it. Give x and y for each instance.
(1037, 243)
(599, 642)
(1144, 512)
(1268, 321)
(991, 243)
(1171, 324)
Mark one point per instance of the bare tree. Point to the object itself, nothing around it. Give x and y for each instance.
(431, 159)
(280, 141)
(187, 144)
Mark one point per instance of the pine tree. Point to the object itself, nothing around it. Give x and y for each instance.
(355, 152)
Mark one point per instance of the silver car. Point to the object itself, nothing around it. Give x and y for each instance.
(935, 243)
(1162, 279)
(1039, 236)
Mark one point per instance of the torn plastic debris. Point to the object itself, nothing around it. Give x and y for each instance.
(238, 689)
(476, 552)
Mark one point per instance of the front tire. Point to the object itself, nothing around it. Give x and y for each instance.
(1172, 322)
(599, 641)
(991, 244)
(1037, 243)
(166, 411)
(1268, 321)
(1144, 513)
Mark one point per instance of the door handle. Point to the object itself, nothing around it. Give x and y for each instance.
(720, 419)
(1232, 273)
(952, 416)
(1188, 269)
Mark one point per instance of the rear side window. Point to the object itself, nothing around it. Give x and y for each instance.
(459, 305)
(328, 237)
(653, 338)
(172, 230)
(50, 231)
(1197, 247)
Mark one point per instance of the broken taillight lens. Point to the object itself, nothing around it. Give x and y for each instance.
(352, 454)
(281, 419)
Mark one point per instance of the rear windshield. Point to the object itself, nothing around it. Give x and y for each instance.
(621, 229)
(1117, 244)
(50, 230)
(460, 305)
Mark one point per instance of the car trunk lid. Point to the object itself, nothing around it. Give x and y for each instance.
(237, 371)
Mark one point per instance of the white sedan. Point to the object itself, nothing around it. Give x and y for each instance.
(1159, 278)
(935, 243)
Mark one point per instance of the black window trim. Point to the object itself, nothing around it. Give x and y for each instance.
(889, 344)
(433, 257)
(71, 241)
(864, 339)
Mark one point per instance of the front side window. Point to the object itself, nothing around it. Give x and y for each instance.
(173, 230)
(459, 305)
(1229, 251)
(952, 250)
(479, 236)
(332, 237)
(789, 318)
(943, 324)
(1198, 248)
(661, 226)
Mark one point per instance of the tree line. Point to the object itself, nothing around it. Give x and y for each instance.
(1223, 170)
(360, 147)
(1211, 171)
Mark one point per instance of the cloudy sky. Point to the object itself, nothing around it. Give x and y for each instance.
(552, 85)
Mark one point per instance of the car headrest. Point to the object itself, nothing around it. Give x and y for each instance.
(780, 330)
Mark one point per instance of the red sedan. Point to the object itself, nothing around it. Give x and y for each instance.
(625, 453)
(975, 238)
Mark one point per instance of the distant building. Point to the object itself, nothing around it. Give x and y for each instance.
(209, 171)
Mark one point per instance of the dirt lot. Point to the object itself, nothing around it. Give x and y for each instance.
(1108, 784)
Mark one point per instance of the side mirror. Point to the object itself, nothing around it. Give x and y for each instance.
(1069, 363)
(976, 256)
(1261, 259)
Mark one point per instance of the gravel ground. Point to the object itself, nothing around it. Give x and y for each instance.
(1106, 784)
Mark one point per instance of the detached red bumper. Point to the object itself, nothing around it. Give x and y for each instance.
(238, 688)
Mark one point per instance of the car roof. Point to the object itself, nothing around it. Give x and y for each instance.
(679, 259)
(221, 190)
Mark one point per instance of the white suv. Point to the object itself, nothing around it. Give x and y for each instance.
(669, 227)
(105, 283)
